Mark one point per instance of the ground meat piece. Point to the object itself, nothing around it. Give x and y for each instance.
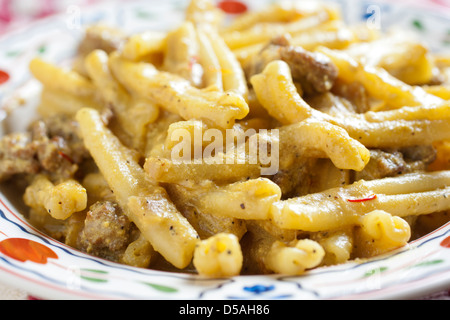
(382, 164)
(17, 155)
(64, 129)
(312, 69)
(52, 145)
(106, 231)
(423, 154)
(101, 37)
(296, 180)
(394, 162)
(257, 64)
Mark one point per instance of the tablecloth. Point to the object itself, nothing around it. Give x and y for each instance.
(15, 13)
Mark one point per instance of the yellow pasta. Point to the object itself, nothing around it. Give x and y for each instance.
(218, 256)
(177, 95)
(323, 137)
(243, 200)
(144, 45)
(233, 77)
(55, 102)
(409, 194)
(212, 70)
(58, 78)
(337, 244)
(182, 53)
(139, 253)
(60, 200)
(132, 114)
(146, 205)
(378, 82)
(295, 258)
(276, 141)
(380, 232)
(399, 54)
(278, 94)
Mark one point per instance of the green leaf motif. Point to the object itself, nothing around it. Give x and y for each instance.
(42, 49)
(142, 14)
(92, 278)
(12, 53)
(418, 25)
(375, 271)
(160, 287)
(428, 263)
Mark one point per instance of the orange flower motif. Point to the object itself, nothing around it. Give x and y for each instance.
(4, 76)
(232, 7)
(445, 243)
(25, 249)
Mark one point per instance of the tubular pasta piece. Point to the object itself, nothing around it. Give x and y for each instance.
(233, 77)
(58, 78)
(277, 93)
(409, 194)
(177, 95)
(147, 205)
(378, 82)
(243, 200)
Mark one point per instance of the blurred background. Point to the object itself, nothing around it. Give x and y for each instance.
(16, 13)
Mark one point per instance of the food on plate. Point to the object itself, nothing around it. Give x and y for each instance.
(278, 141)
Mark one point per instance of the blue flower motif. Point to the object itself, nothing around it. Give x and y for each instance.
(259, 289)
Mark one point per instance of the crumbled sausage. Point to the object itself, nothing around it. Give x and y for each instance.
(389, 163)
(106, 231)
(17, 155)
(314, 71)
(101, 37)
(51, 145)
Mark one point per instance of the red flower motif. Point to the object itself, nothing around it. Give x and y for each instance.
(25, 249)
(445, 243)
(4, 76)
(232, 7)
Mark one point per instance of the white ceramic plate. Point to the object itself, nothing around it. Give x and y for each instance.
(49, 269)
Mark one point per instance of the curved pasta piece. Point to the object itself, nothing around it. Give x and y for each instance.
(323, 140)
(177, 95)
(59, 200)
(278, 94)
(218, 256)
(338, 245)
(381, 232)
(294, 258)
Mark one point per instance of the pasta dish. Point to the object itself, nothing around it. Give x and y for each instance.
(277, 142)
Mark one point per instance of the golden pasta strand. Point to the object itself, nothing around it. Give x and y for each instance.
(147, 205)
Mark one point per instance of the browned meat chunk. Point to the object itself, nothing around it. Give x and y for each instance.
(314, 71)
(17, 155)
(52, 145)
(391, 163)
(106, 232)
(101, 37)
